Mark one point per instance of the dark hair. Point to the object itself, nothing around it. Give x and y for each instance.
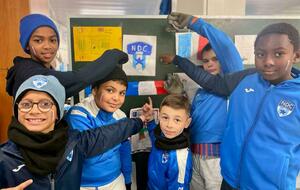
(97, 85)
(176, 101)
(207, 47)
(281, 28)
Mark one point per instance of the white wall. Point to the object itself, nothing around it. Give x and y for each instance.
(210, 7)
(193, 7)
(39, 6)
(62, 57)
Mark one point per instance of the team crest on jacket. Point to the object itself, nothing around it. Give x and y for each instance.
(165, 157)
(285, 108)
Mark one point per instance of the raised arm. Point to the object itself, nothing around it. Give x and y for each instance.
(221, 43)
(73, 81)
(101, 139)
(221, 85)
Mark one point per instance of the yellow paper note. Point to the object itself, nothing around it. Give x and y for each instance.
(91, 41)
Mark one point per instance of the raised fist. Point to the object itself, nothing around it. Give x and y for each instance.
(178, 21)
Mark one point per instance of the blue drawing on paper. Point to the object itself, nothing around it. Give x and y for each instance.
(139, 51)
(184, 45)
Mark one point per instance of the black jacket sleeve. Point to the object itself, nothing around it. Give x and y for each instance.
(73, 81)
(221, 85)
(101, 139)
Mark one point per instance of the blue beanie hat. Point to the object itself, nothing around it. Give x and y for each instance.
(48, 84)
(30, 23)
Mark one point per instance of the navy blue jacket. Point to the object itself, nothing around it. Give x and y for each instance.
(73, 81)
(80, 145)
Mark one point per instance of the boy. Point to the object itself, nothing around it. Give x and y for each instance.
(40, 39)
(43, 148)
(209, 111)
(170, 161)
(209, 114)
(111, 169)
(260, 135)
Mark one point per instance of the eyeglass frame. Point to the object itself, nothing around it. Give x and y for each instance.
(37, 104)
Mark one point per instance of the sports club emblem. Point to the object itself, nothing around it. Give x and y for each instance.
(40, 82)
(165, 157)
(285, 108)
(70, 156)
(139, 51)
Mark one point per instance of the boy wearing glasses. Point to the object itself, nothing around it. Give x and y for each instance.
(42, 151)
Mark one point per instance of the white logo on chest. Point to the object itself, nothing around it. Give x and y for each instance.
(285, 108)
(165, 157)
(18, 168)
(248, 90)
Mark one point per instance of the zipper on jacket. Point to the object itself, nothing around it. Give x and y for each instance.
(248, 136)
(52, 181)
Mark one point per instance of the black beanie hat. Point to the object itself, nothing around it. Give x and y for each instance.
(116, 74)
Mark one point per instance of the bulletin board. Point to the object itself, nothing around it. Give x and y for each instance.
(155, 26)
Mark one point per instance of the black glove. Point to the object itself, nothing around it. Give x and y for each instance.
(178, 21)
(119, 56)
(128, 186)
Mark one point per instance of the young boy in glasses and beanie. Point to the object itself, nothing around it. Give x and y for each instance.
(39, 38)
(42, 151)
(112, 169)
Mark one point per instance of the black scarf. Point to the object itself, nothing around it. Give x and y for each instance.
(41, 152)
(179, 142)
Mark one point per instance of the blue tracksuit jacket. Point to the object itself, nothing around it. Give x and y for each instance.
(168, 170)
(80, 145)
(104, 168)
(209, 111)
(259, 149)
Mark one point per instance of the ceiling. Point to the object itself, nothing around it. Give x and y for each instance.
(62, 9)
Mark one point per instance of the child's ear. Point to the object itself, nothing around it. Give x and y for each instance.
(94, 91)
(188, 122)
(297, 57)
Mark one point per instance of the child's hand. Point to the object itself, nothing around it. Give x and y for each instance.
(147, 111)
(178, 21)
(166, 58)
(21, 186)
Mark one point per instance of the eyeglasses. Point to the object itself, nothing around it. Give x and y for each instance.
(27, 105)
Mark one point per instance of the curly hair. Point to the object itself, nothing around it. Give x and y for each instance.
(281, 28)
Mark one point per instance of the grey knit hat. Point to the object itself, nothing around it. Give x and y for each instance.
(48, 84)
